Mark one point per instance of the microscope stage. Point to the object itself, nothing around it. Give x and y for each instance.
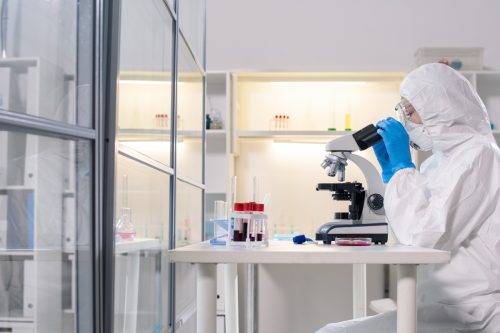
(377, 231)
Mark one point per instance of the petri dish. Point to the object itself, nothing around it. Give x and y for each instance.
(342, 241)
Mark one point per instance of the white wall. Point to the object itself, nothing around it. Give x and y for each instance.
(344, 35)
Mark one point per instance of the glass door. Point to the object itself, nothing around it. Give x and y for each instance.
(159, 173)
(143, 172)
(48, 143)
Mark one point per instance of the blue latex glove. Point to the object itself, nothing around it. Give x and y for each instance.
(383, 160)
(397, 143)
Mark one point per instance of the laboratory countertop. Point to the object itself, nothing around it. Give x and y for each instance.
(285, 252)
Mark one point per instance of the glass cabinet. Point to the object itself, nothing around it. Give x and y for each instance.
(159, 183)
(87, 88)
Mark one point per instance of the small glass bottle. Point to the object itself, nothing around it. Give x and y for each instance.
(347, 121)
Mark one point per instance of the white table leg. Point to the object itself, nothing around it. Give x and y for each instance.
(131, 292)
(206, 296)
(407, 299)
(231, 297)
(250, 298)
(359, 290)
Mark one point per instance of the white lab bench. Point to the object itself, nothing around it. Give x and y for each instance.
(407, 258)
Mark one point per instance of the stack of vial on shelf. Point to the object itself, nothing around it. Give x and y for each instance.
(279, 122)
(248, 225)
(161, 120)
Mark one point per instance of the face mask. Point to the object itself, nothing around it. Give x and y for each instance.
(419, 137)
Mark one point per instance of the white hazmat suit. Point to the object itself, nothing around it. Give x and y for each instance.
(452, 204)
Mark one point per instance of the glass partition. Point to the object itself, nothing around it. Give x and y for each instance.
(144, 90)
(142, 201)
(189, 116)
(39, 72)
(143, 167)
(192, 25)
(188, 231)
(45, 232)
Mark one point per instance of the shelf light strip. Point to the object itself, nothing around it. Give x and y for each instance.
(129, 81)
(319, 83)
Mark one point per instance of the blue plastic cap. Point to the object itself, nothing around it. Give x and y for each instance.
(300, 239)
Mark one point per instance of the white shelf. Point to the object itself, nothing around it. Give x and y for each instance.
(278, 134)
(481, 72)
(216, 133)
(153, 134)
(20, 253)
(136, 245)
(143, 134)
(16, 320)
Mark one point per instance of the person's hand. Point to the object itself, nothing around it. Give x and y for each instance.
(397, 143)
(383, 160)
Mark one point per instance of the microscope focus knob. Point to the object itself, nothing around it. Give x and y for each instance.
(376, 201)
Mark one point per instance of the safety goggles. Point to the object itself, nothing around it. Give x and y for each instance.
(403, 115)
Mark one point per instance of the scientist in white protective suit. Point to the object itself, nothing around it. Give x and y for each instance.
(452, 203)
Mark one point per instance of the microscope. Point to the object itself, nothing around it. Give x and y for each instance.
(366, 215)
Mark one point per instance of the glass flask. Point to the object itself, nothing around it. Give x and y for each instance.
(125, 229)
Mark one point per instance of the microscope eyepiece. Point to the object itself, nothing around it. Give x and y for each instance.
(366, 137)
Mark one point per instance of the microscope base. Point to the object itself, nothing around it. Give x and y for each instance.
(347, 229)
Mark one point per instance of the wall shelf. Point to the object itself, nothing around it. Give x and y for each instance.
(18, 253)
(155, 134)
(216, 133)
(13, 320)
(288, 134)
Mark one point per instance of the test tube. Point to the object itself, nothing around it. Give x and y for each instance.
(247, 209)
(260, 223)
(237, 232)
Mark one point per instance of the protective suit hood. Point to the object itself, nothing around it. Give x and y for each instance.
(449, 107)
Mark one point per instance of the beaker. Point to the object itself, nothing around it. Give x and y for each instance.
(219, 223)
